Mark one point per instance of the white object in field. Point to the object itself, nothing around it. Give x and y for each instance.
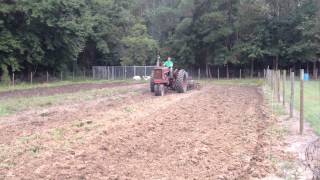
(137, 78)
(146, 78)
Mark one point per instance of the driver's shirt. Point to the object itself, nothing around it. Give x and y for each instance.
(168, 64)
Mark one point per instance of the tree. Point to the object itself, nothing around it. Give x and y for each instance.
(138, 47)
(41, 35)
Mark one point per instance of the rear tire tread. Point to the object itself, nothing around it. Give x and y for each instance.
(181, 84)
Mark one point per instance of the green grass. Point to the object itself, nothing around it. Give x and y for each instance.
(311, 103)
(240, 82)
(23, 86)
(14, 105)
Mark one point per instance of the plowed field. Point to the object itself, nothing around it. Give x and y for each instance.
(217, 132)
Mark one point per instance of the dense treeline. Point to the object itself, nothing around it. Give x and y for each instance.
(56, 35)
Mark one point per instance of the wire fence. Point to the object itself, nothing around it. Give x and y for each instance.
(295, 91)
(128, 72)
(298, 92)
(120, 72)
(47, 77)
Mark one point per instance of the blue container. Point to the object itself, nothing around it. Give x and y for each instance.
(306, 77)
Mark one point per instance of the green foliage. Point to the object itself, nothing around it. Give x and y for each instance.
(41, 35)
(5, 78)
(139, 47)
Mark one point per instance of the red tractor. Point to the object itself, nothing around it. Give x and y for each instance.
(163, 79)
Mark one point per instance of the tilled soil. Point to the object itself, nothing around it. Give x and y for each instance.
(29, 122)
(48, 91)
(217, 132)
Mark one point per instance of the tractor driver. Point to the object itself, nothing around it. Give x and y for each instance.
(169, 64)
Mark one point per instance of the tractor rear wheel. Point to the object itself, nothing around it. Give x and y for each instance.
(181, 84)
(152, 85)
(159, 89)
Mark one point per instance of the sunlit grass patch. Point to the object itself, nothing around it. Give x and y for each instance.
(311, 101)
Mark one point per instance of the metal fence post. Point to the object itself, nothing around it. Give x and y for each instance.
(199, 74)
(301, 100)
(48, 76)
(134, 70)
(240, 74)
(218, 73)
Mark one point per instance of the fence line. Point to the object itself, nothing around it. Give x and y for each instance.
(128, 72)
(274, 81)
(301, 94)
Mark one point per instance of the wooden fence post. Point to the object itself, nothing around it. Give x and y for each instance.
(13, 79)
(145, 70)
(227, 68)
(292, 94)
(284, 87)
(108, 74)
(113, 73)
(301, 100)
(278, 85)
(125, 72)
(47, 76)
(31, 78)
(272, 80)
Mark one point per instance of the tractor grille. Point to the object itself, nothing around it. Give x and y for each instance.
(157, 74)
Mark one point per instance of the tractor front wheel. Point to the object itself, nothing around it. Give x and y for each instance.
(181, 84)
(159, 89)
